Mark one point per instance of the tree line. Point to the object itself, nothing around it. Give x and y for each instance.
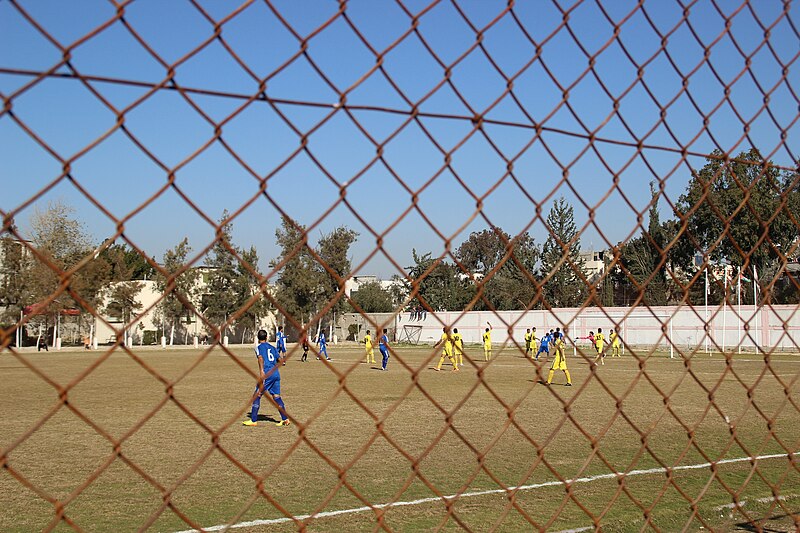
(742, 212)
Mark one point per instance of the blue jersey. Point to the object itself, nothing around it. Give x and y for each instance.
(546, 340)
(270, 356)
(384, 341)
(322, 339)
(280, 340)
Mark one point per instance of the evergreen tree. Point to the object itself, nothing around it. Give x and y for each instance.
(251, 301)
(178, 285)
(561, 261)
(334, 251)
(506, 268)
(220, 300)
(643, 260)
(372, 298)
(300, 285)
(14, 267)
(437, 285)
(740, 210)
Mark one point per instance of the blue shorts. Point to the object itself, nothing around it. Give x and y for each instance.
(272, 385)
(543, 348)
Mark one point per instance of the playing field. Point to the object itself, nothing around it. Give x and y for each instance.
(137, 443)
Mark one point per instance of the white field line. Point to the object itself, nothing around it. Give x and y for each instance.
(742, 503)
(589, 479)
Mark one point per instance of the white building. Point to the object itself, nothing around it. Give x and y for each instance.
(593, 264)
(353, 283)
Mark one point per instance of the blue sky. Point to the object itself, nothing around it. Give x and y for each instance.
(178, 130)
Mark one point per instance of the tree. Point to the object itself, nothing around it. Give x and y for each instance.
(14, 267)
(56, 232)
(373, 298)
(437, 285)
(643, 260)
(179, 285)
(300, 285)
(220, 300)
(739, 210)
(60, 242)
(123, 301)
(334, 250)
(506, 266)
(248, 284)
(561, 261)
(127, 263)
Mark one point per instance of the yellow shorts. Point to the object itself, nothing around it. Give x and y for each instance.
(559, 363)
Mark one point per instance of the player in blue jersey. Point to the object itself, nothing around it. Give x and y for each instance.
(280, 341)
(544, 345)
(323, 346)
(383, 346)
(269, 380)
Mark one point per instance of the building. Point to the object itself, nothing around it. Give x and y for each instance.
(593, 264)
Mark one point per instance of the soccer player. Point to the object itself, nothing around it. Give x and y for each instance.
(323, 346)
(599, 344)
(613, 338)
(458, 346)
(280, 341)
(269, 380)
(383, 346)
(544, 346)
(528, 342)
(447, 350)
(305, 347)
(589, 338)
(560, 361)
(487, 343)
(368, 347)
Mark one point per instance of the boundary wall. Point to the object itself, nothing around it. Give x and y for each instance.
(739, 328)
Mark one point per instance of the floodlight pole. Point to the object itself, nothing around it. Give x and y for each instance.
(739, 304)
(724, 307)
(755, 311)
(706, 329)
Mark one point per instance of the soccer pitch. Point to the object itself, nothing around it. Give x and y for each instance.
(144, 440)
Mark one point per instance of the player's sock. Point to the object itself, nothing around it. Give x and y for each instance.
(549, 377)
(569, 379)
(254, 410)
(281, 407)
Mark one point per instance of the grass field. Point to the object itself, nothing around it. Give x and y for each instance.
(139, 443)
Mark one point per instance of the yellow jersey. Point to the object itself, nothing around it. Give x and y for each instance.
(599, 340)
(368, 342)
(448, 343)
(614, 338)
(559, 361)
(487, 339)
(458, 342)
(528, 338)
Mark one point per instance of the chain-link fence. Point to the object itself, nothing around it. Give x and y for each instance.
(611, 188)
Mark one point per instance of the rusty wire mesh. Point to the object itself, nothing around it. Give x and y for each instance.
(685, 143)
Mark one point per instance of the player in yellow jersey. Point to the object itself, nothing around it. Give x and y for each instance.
(527, 341)
(369, 348)
(613, 338)
(458, 347)
(447, 350)
(560, 361)
(487, 343)
(534, 342)
(599, 346)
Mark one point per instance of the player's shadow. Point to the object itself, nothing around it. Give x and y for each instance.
(267, 418)
(375, 368)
